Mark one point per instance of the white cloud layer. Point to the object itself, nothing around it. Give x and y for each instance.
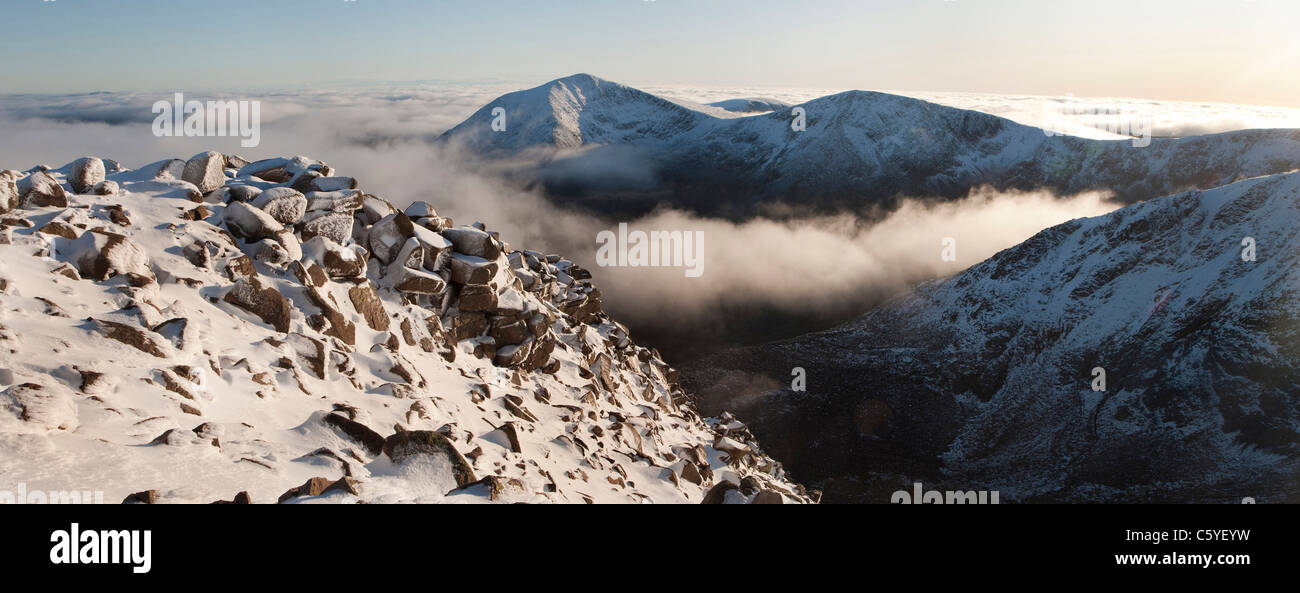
(380, 134)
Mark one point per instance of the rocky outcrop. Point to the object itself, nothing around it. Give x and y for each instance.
(290, 289)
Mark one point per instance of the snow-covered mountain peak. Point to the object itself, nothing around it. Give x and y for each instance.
(851, 150)
(573, 112)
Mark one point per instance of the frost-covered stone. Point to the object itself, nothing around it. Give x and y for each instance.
(59, 228)
(277, 170)
(335, 226)
(331, 184)
(234, 161)
(8, 192)
(508, 330)
(270, 252)
(331, 321)
(410, 256)
(367, 302)
(240, 193)
(135, 337)
(44, 407)
(39, 190)
(265, 302)
(100, 255)
(437, 249)
(511, 302)
(84, 173)
(250, 222)
(182, 334)
(420, 210)
(468, 269)
(335, 201)
(411, 281)
(472, 241)
(375, 209)
(435, 223)
(305, 181)
(336, 260)
(205, 170)
(289, 242)
(285, 205)
(477, 297)
(389, 235)
(106, 188)
(403, 446)
(164, 169)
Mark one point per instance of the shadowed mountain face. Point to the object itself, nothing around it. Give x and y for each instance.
(618, 150)
(987, 379)
(751, 105)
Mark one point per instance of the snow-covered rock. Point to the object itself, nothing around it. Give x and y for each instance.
(285, 205)
(38, 189)
(205, 170)
(100, 255)
(250, 222)
(191, 354)
(336, 260)
(8, 191)
(85, 174)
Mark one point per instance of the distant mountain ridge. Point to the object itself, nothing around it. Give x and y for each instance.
(614, 147)
(756, 105)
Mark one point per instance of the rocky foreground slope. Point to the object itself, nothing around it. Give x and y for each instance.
(1190, 304)
(214, 329)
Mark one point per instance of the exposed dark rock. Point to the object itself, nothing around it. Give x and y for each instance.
(404, 445)
(368, 304)
(140, 339)
(373, 442)
(146, 497)
(264, 302)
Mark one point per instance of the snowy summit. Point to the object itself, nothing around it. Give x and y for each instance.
(213, 329)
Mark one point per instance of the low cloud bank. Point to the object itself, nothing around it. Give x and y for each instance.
(382, 137)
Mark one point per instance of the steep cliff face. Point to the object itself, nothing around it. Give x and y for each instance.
(213, 329)
(987, 379)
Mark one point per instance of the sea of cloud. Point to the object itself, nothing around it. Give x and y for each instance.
(382, 134)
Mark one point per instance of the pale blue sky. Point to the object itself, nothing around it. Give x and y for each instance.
(1244, 51)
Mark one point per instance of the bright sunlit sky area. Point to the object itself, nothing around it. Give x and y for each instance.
(1231, 51)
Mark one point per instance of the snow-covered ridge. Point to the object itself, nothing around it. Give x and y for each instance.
(855, 149)
(579, 110)
(214, 329)
(1190, 304)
